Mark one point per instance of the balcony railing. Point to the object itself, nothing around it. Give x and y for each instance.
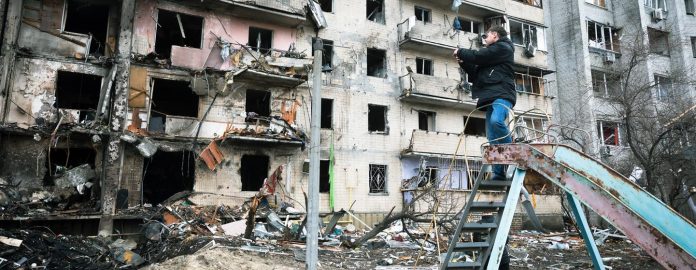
(284, 12)
(444, 39)
(433, 143)
(434, 90)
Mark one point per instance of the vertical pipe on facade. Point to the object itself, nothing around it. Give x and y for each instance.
(314, 150)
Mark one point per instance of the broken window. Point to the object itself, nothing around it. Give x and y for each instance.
(326, 5)
(61, 160)
(177, 29)
(431, 173)
(534, 128)
(426, 120)
(424, 66)
(602, 36)
(171, 98)
(260, 40)
(475, 126)
(253, 171)
(326, 113)
(375, 11)
(529, 84)
(600, 3)
(167, 173)
(659, 41)
(423, 14)
(536, 3)
(88, 18)
(604, 84)
(376, 118)
(609, 133)
(376, 63)
(78, 91)
(656, 4)
(689, 5)
(324, 185)
(378, 179)
(258, 102)
(525, 34)
(663, 88)
(469, 26)
(326, 57)
(693, 46)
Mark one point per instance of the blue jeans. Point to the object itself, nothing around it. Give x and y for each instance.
(496, 127)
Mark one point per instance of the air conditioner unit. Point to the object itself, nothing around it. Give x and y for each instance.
(529, 50)
(610, 57)
(658, 14)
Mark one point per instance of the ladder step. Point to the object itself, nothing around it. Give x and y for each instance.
(479, 226)
(486, 206)
(463, 265)
(470, 246)
(494, 184)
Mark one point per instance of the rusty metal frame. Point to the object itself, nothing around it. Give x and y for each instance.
(657, 229)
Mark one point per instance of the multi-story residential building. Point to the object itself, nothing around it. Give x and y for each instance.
(159, 97)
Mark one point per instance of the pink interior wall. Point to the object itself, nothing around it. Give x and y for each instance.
(215, 24)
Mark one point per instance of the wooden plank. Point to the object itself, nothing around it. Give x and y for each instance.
(138, 87)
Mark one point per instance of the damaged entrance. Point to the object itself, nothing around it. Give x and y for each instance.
(166, 173)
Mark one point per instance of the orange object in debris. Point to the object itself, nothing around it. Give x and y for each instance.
(169, 218)
(289, 115)
(211, 155)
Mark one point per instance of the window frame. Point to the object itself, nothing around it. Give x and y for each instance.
(606, 83)
(385, 176)
(541, 82)
(431, 123)
(534, 3)
(617, 133)
(597, 3)
(600, 31)
(539, 40)
(655, 4)
(385, 131)
(662, 35)
(422, 70)
(663, 93)
(474, 26)
(424, 11)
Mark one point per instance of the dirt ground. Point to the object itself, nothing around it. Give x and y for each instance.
(527, 250)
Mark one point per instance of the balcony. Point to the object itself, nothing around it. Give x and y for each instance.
(443, 144)
(281, 12)
(478, 8)
(430, 37)
(528, 101)
(539, 61)
(433, 90)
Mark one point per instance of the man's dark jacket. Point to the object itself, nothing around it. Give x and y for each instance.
(491, 69)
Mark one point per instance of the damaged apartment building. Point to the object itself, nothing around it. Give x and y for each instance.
(109, 106)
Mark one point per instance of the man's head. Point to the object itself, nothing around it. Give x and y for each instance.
(494, 34)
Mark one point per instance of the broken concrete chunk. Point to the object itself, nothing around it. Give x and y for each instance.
(128, 137)
(76, 176)
(234, 228)
(126, 244)
(10, 241)
(147, 148)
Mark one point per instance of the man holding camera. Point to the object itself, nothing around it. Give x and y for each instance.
(494, 85)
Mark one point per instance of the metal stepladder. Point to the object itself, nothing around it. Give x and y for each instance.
(496, 231)
(488, 253)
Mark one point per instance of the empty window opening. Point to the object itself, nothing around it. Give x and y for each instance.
(376, 118)
(424, 66)
(423, 14)
(689, 5)
(327, 55)
(529, 84)
(61, 160)
(326, 5)
(602, 37)
(324, 185)
(88, 18)
(659, 41)
(177, 29)
(536, 3)
(609, 133)
(475, 127)
(663, 87)
(426, 120)
(604, 84)
(376, 63)
(78, 91)
(167, 173)
(253, 171)
(378, 179)
(258, 103)
(469, 26)
(375, 11)
(326, 113)
(601, 3)
(171, 98)
(693, 46)
(526, 34)
(260, 40)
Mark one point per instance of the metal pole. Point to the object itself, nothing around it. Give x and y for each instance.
(314, 148)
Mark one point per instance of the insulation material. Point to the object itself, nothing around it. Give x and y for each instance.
(138, 87)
